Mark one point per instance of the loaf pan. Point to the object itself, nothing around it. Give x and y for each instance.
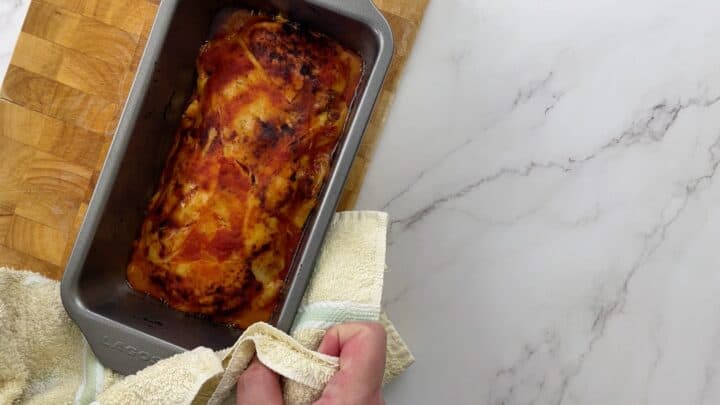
(128, 330)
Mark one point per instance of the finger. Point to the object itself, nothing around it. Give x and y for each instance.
(361, 348)
(258, 385)
(330, 344)
(362, 351)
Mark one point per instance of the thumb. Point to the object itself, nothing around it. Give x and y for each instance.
(258, 385)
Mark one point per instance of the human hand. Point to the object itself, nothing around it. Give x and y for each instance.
(361, 349)
(258, 385)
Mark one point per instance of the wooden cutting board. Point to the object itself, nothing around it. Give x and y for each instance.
(62, 96)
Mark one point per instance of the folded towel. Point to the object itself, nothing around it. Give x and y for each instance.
(44, 358)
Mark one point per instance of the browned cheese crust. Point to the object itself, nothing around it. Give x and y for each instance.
(250, 157)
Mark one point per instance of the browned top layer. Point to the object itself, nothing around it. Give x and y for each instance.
(251, 155)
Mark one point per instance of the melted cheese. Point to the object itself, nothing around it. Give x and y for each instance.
(251, 154)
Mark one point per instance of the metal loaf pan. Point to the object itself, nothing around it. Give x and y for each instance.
(128, 330)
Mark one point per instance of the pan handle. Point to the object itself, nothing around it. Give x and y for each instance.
(367, 12)
(123, 351)
(362, 9)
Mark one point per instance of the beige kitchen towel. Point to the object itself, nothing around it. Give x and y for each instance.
(44, 359)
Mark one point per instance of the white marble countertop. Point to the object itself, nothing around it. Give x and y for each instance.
(549, 168)
(12, 14)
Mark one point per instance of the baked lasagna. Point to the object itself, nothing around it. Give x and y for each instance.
(250, 157)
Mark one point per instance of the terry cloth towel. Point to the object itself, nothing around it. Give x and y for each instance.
(44, 358)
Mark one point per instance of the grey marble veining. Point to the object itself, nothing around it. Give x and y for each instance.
(550, 171)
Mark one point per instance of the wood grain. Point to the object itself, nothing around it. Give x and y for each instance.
(69, 67)
(59, 101)
(47, 134)
(80, 33)
(37, 240)
(72, 68)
